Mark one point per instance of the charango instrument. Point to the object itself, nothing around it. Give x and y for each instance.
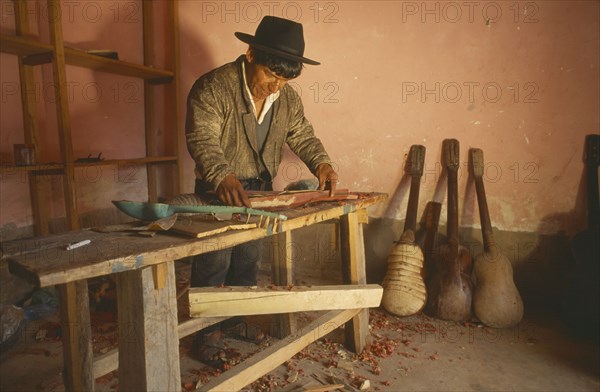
(496, 299)
(404, 291)
(449, 287)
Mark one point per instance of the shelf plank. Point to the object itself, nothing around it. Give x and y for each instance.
(23, 46)
(134, 161)
(98, 63)
(8, 169)
(43, 53)
(48, 167)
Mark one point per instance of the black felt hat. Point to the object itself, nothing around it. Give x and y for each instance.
(278, 36)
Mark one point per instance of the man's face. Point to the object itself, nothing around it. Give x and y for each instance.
(263, 82)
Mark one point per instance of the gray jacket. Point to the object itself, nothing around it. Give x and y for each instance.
(221, 128)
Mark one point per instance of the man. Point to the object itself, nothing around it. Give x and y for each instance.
(239, 116)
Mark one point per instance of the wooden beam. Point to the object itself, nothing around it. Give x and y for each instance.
(106, 363)
(77, 351)
(149, 100)
(109, 361)
(353, 260)
(267, 200)
(244, 301)
(363, 217)
(148, 339)
(76, 336)
(62, 113)
(200, 227)
(173, 95)
(39, 198)
(190, 326)
(265, 361)
(283, 275)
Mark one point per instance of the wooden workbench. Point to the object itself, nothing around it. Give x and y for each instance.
(149, 332)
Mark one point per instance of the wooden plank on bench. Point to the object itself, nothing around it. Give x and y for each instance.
(245, 301)
(47, 260)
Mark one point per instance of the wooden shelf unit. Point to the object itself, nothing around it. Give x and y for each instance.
(77, 349)
(52, 167)
(31, 52)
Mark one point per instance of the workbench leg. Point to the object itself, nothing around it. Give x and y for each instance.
(353, 260)
(148, 338)
(78, 372)
(282, 275)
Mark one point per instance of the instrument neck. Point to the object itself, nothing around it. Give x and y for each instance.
(592, 195)
(413, 201)
(452, 230)
(484, 215)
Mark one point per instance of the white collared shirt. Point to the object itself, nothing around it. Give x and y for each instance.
(269, 101)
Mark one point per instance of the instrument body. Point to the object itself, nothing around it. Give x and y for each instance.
(496, 299)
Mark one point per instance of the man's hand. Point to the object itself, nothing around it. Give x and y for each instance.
(231, 192)
(328, 178)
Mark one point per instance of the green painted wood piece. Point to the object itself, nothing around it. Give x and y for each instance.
(153, 211)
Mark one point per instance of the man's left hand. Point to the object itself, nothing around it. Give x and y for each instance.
(328, 178)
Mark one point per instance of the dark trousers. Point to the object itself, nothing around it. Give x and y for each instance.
(237, 266)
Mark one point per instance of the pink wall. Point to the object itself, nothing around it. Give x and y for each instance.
(523, 86)
(518, 79)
